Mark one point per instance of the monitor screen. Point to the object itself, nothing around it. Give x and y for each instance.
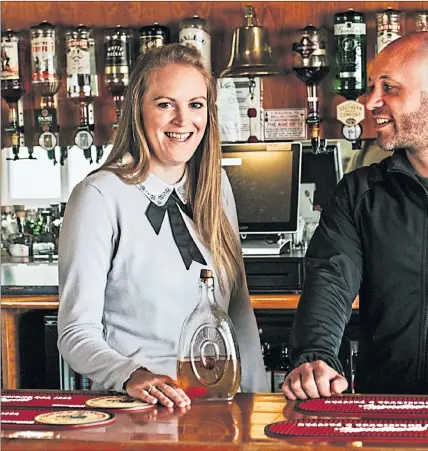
(265, 179)
(323, 171)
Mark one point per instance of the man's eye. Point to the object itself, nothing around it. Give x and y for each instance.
(387, 88)
(369, 89)
(197, 105)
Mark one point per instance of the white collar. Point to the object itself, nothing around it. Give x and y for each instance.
(158, 191)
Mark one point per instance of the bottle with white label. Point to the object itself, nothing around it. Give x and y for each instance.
(351, 60)
(195, 32)
(390, 26)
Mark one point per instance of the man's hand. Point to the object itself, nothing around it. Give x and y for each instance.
(153, 388)
(313, 380)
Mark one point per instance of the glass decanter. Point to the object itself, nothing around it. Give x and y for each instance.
(208, 362)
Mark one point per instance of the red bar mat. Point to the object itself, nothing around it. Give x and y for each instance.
(64, 399)
(390, 406)
(53, 419)
(350, 429)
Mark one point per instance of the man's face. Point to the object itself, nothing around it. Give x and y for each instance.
(398, 98)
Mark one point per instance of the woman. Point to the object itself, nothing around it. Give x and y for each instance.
(128, 271)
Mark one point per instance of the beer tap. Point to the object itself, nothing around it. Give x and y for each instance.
(310, 64)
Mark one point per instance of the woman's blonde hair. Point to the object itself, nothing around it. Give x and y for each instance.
(204, 169)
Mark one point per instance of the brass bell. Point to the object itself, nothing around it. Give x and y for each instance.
(251, 53)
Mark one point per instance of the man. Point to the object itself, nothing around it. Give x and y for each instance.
(373, 240)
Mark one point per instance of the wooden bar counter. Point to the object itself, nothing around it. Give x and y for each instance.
(217, 426)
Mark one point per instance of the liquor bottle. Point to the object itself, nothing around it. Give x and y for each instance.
(152, 36)
(118, 62)
(351, 60)
(195, 32)
(12, 88)
(310, 64)
(390, 26)
(208, 362)
(82, 83)
(421, 21)
(45, 82)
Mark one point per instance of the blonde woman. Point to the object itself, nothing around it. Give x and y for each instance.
(137, 232)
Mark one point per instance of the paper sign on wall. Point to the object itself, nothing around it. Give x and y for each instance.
(285, 124)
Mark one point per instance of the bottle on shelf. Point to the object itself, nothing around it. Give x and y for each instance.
(82, 83)
(118, 64)
(45, 82)
(351, 74)
(208, 361)
(390, 26)
(311, 65)
(12, 88)
(152, 36)
(195, 32)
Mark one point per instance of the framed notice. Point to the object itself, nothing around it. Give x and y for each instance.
(285, 124)
(239, 109)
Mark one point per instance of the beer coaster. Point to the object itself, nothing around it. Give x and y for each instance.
(390, 406)
(42, 419)
(117, 402)
(70, 400)
(350, 429)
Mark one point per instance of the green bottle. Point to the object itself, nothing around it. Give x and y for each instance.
(351, 59)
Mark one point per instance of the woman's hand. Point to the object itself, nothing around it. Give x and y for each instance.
(154, 388)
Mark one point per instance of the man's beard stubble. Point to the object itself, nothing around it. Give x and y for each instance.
(412, 131)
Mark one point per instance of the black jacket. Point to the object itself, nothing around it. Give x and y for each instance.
(371, 240)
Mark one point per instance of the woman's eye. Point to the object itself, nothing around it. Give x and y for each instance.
(197, 105)
(163, 105)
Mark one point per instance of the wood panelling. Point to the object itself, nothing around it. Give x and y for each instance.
(281, 19)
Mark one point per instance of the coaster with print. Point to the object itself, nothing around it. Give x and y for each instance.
(350, 429)
(41, 418)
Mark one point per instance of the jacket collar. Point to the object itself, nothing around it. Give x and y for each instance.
(158, 191)
(155, 189)
(400, 163)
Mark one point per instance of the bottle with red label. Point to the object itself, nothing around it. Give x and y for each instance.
(45, 81)
(82, 82)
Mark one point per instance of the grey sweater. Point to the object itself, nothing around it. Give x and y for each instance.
(125, 291)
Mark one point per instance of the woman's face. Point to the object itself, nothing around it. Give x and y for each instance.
(175, 116)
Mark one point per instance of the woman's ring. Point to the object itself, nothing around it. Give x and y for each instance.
(150, 389)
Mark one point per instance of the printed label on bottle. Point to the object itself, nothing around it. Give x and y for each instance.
(43, 58)
(349, 28)
(384, 38)
(117, 53)
(349, 57)
(150, 42)
(78, 57)
(200, 39)
(9, 61)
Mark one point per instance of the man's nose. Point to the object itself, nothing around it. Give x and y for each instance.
(374, 99)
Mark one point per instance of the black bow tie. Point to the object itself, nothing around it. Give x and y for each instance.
(186, 246)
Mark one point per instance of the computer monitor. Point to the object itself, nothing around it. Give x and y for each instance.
(320, 175)
(265, 179)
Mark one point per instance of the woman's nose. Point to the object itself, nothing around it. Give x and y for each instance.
(181, 116)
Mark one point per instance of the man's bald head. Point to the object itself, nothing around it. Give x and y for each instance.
(398, 93)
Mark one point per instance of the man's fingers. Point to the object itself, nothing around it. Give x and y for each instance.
(288, 392)
(338, 385)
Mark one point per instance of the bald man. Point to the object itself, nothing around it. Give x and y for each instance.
(372, 240)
